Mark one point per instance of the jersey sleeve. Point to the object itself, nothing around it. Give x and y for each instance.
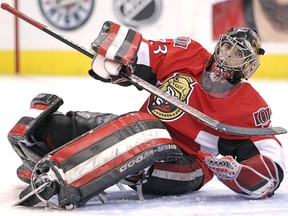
(167, 56)
(152, 52)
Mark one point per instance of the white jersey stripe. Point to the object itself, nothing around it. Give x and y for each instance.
(208, 142)
(271, 149)
(143, 58)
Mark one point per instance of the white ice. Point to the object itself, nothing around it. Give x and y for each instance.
(84, 93)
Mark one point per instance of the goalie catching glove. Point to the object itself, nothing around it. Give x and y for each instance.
(116, 47)
(87, 165)
(255, 178)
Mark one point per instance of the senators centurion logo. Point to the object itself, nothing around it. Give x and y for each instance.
(179, 86)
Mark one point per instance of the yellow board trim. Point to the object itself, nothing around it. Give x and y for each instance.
(75, 63)
(45, 63)
(273, 67)
(7, 62)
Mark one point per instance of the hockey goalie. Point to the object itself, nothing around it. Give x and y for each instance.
(159, 149)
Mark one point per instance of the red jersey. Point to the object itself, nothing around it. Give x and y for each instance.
(178, 65)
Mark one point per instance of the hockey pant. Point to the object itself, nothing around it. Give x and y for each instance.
(169, 178)
(79, 155)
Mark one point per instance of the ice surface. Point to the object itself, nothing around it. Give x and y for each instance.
(84, 93)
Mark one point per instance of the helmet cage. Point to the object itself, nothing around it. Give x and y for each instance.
(249, 59)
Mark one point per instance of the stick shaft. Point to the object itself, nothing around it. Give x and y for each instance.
(44, 28)
(17, 13)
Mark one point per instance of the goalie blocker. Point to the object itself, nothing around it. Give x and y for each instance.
(89, 164)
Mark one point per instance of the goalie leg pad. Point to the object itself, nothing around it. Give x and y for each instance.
(102, 157)
(43, 129)
(20, 136)
(24, 173)
(60, 129)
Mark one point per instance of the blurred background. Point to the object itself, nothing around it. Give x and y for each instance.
(26, 50)
(32, 62)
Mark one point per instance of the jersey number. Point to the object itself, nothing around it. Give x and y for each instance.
(162, 48)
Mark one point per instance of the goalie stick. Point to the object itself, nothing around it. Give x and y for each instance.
(137, 81)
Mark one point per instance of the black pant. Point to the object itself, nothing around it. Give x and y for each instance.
(182, 176)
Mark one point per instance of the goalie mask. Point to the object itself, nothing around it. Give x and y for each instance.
(236, 56)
